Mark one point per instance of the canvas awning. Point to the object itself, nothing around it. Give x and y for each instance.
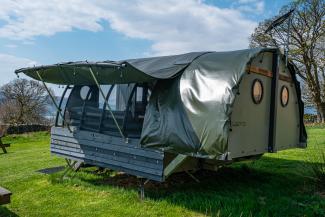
(111, 72)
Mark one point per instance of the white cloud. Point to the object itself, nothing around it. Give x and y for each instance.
(260, 6)
(246, 1)
(182, 26)
(250, 6)
(27, 19)
(173, 26)
(9, 64)
(11, 45)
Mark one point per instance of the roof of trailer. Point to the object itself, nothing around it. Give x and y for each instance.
(132, 70)
(110, 72)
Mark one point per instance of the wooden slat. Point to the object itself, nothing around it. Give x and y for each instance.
(113, 167)
(108, 151)
(86, 136)
(92, 155)
(92, 136)
(285, 78)
(267, 73)
(128, 157)
(110, 146)
(260, 71)
(111, 155)
(96, 157)
(117, 168)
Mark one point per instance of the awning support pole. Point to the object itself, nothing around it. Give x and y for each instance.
(60, 104)
(52, 98)
(108, 107)
(103, 112)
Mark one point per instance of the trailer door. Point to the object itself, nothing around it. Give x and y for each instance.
(287, 112)
(250, 115)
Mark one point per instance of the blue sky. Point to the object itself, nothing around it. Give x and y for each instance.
(44, 32)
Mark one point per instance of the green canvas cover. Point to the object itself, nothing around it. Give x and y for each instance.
(191, 113)
(206, 90)
(191, 103)
(112, 72)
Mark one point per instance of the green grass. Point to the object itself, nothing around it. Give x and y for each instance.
(276, 185)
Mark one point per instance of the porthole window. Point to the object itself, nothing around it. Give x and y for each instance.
(257, 91)
(84, 92)
(284, 96)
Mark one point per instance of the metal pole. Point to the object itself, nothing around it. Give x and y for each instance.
(60, 104)
(128, 107)
(288, 41)
(273, 103)
(53, 100)
(104, 106)
(107, 105)
(83, 111)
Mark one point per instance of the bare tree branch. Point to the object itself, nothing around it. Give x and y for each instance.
(23, 102)
(307, 46)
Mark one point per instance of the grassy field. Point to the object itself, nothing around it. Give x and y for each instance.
(276, 185)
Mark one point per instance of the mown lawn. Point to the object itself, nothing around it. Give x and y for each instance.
(276, 185)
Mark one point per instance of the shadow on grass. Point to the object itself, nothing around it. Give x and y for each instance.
(266, 188)
(4, 212)
(8, 152)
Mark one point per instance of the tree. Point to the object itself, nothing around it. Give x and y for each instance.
(306, 46)
(23, 102)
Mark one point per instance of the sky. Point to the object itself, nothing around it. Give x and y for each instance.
(42, 32)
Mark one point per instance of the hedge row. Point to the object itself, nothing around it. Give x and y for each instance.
(18, 129)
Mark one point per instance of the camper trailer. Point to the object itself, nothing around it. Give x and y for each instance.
(152, 117)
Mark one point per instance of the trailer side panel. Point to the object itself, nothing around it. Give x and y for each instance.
(108, 151)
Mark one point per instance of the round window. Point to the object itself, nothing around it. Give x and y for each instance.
(84, 92)
(284, 96)
(257, 91)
